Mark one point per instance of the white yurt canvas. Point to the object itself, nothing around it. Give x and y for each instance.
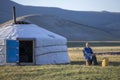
(31, 44)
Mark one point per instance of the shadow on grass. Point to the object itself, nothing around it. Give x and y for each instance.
(114, 63)
(77, 63)
(100, 63)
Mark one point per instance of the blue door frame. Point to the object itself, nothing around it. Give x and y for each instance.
(12, 51)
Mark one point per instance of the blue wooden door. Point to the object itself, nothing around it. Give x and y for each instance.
(12, 50)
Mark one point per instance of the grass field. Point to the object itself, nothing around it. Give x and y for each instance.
(76, 70)
(93, 43)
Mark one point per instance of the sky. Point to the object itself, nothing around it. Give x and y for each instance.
(77, 5)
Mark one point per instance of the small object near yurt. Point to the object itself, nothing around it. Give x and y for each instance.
(31, 44)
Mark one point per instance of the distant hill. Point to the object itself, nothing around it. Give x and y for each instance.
(75, 25)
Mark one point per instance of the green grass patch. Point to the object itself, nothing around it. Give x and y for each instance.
(93, 43)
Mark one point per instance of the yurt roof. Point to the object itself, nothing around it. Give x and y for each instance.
(27, 31)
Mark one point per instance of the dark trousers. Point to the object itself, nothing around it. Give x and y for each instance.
(94, 60)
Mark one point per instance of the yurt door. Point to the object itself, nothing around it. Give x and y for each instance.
(12, 51)
(26, 49)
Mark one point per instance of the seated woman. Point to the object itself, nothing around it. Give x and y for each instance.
(89, 55)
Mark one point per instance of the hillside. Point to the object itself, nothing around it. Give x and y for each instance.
(75, 25)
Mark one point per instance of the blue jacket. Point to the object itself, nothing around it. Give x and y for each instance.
(87, 53)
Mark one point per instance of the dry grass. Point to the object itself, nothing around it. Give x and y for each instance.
(96, 49)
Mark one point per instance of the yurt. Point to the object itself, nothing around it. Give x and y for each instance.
(31, 44)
